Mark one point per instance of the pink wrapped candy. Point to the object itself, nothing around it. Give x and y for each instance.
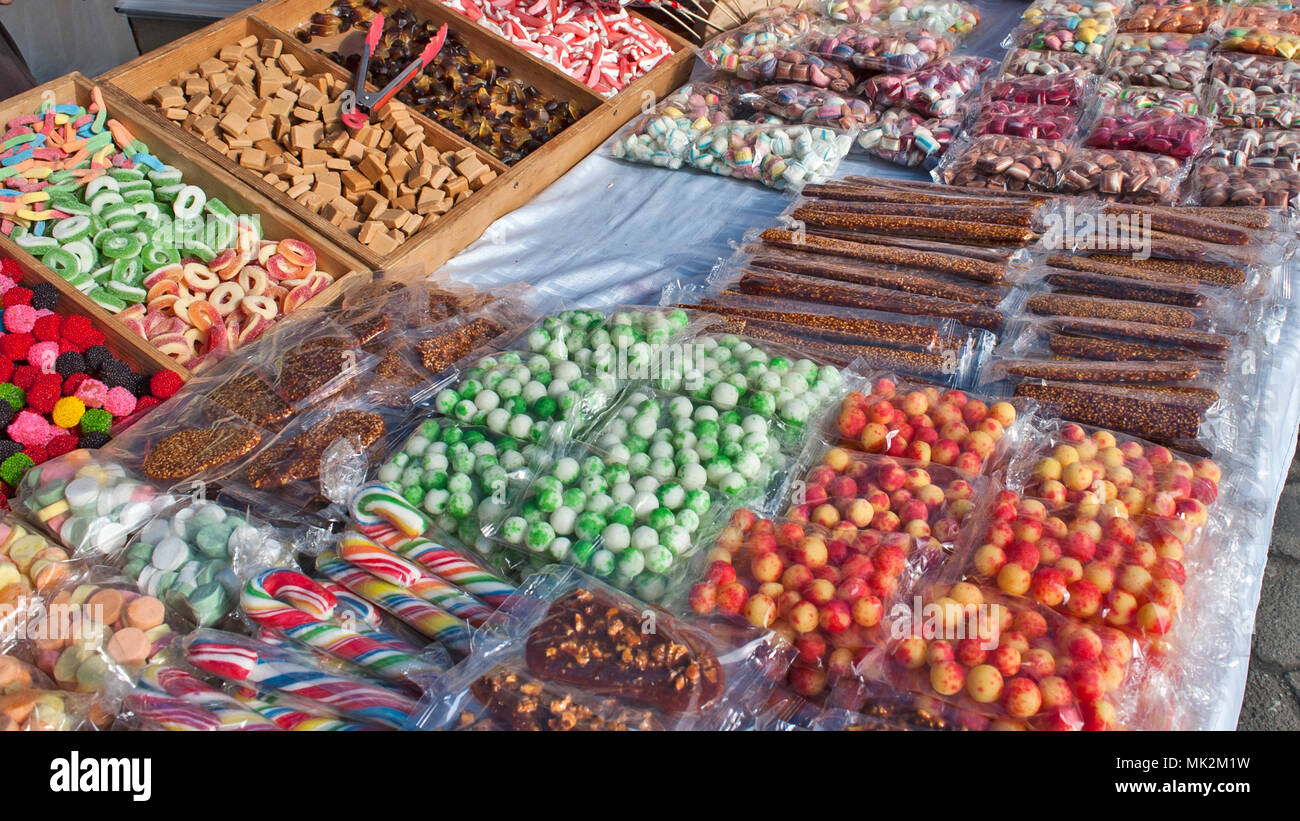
(1035, 122)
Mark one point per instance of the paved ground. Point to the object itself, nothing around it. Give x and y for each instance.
(1272, 699)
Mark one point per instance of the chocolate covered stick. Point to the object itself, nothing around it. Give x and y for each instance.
(914, 362)
(1080, 282)
(860, 296)
(824, 267)
(1021, 216)
(1221, 273)
(1144, 417)
(885, 255)
(849, 330)
(988, 253)
(1142, 332)
(1114, 309)
(1177, 222)
(1257, 218)
(933, 227)
(1212, 273)
(1130, 373)
(1112, 350)
(940, 189)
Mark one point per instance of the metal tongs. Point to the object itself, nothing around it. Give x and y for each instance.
(365, 102)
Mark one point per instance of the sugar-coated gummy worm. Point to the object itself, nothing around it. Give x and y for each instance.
(944, 263)
(820, 265)
(1116, 309)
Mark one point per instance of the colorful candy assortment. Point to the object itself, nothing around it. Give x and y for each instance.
(603, 49)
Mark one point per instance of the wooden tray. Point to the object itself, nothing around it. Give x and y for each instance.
(466, 222)
(276, 222)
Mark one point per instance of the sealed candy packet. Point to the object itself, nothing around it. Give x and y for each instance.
(892, 47)
(461, 476)
(194, 555)
(775, 573)
(1004, 163)
(1122, 176)
(1264, 75)
(89, 502)
(767, 30)
(959, 18)
(1020, 665)
(170, 697)
(299, 677)
(923, 424)
(812, 106)
(676, 676)
(1179, 135)
(1024, 62)
(1028, 121)
(906, 138)
(1087, 36)
(935, 90)
(1182, 16)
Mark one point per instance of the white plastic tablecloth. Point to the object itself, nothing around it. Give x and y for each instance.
(612, 232)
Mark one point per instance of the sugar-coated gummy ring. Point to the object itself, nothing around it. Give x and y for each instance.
(189, 202)
(121, 246)
(64, 263)
(71, 229)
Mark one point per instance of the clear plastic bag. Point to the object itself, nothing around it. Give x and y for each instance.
(1180, 136)
(1121, 176)
(597, 513)
(906, 138)
(1003, 163)
(1170, 60)
(768, 29)
(88, 501)
(1032, 122)
(920, 423)
(297, 676)
(287, 603)
(1024, 62)
(194, 556)
(1250, 186)
(892, 47)
(1181, 16)
(1263, 75)
(461, 477)
(1094, 563)
(959, 18)
(937, 90)
(812, 106)
(188, 440)
(1261, 40)
(98, 632)
(169, 697)
(1071, 34)
(1007, 662)
(1243, 108)
(1063, 89)
(775, 573)
(701, 683)
(29, 564)
(1115, 99)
